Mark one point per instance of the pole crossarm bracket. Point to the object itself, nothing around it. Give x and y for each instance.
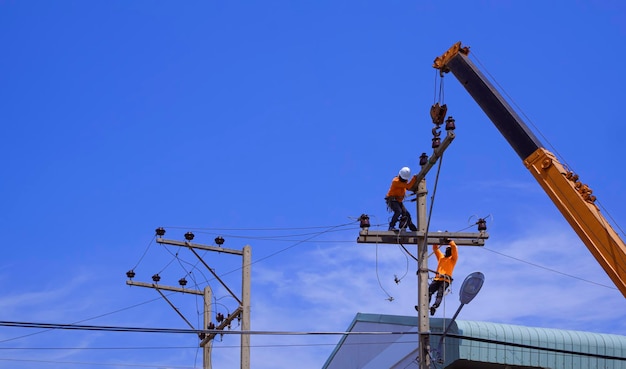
(221, 326)
(193, 246)
(165, 288)
(199, 246)
(395, 237)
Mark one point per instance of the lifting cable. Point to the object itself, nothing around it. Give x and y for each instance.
(440, 103)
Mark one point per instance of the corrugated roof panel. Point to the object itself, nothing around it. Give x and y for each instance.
(479, 342)
(560, 346)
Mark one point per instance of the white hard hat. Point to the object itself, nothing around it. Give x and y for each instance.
(405, 173)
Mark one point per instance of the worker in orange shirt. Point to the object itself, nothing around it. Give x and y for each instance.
(395, 197)
(445, 267)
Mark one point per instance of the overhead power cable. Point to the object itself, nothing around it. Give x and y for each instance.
(293, 333)
(180, 330)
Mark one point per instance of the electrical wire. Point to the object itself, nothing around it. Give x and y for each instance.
(389, 297)
(291, 246)
(85, 320)
(549, 269)
(406, 270)
(39, 361)
(257, 229)
(108, 328)
(281, 238)
(175, 256)
(144, 253)
(313, 333)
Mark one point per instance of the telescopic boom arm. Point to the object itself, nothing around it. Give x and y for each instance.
(573, 199)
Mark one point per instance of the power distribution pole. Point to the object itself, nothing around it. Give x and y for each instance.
(422, 280)
(422, 239)
(206, 350)
(243, 310)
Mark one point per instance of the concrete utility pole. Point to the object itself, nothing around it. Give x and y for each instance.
(242, 312)
(206, 350)
(422, 239)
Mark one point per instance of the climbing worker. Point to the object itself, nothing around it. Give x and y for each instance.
(445, 267)
(395, 196)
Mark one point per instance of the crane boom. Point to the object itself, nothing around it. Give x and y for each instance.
(573, 199)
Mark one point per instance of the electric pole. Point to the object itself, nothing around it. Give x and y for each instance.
(210, 329)
(422, 238)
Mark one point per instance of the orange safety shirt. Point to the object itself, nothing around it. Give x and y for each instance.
(445, 265)
(398, 188)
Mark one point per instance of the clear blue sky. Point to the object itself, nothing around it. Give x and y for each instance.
(276, 124)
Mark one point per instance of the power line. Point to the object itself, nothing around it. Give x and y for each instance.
(273, 333)
(106, 328)
(98, 364)
(288, 333)
(549, 269)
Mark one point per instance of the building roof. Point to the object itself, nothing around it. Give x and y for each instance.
(390, 341)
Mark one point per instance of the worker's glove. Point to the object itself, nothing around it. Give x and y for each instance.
(444, 241)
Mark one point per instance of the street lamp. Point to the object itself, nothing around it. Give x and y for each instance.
(469, 289)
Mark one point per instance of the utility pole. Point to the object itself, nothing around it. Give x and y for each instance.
(206, 349)
(242, 312)
(422, 239)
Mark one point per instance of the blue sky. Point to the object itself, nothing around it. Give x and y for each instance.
(276, 124)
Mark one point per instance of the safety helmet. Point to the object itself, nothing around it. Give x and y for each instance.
(405, 173)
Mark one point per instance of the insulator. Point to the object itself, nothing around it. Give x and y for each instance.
(160, 231)
(202, 336)
(482, 225)
(211, 325)
(156, 277)
(219, 240)
(219, 317)
(364, 221)
(189, 236)
(450, 126)
(423, 159)
(130, 274)
(182, 282)
(436, 142)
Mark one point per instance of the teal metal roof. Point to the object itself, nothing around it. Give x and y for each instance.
(495, 345)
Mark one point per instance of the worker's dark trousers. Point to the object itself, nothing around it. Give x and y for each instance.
(439, 287)
(399, 209)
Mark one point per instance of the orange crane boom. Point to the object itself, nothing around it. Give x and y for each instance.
(573, 198)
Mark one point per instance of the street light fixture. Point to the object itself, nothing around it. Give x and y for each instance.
(469, 289)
